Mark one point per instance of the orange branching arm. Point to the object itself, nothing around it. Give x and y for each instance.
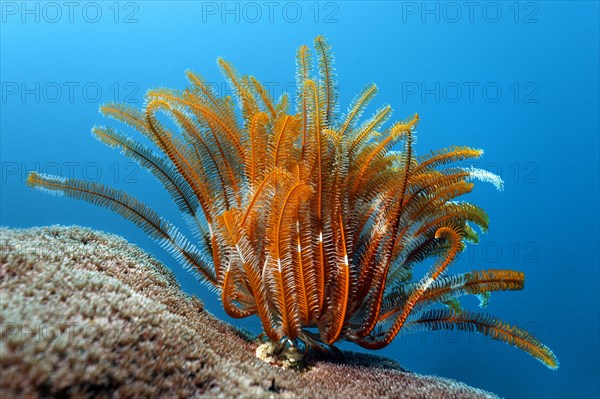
(455, 242)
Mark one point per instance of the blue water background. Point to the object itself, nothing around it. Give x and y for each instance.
(534, 109)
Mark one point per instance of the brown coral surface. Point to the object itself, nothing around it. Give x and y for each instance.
(85, 314)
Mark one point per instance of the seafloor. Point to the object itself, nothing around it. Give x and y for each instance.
(85, 314)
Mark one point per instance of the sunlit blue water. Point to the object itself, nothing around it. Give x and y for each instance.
(517, 79)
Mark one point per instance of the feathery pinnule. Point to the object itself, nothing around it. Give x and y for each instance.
(312, 219)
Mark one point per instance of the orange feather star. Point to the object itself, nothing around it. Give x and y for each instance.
(309, 219)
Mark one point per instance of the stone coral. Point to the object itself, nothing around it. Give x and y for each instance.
(85, 314)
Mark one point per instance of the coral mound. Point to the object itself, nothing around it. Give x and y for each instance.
(85, 314)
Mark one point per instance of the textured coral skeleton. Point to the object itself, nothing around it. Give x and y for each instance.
(311, 219)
